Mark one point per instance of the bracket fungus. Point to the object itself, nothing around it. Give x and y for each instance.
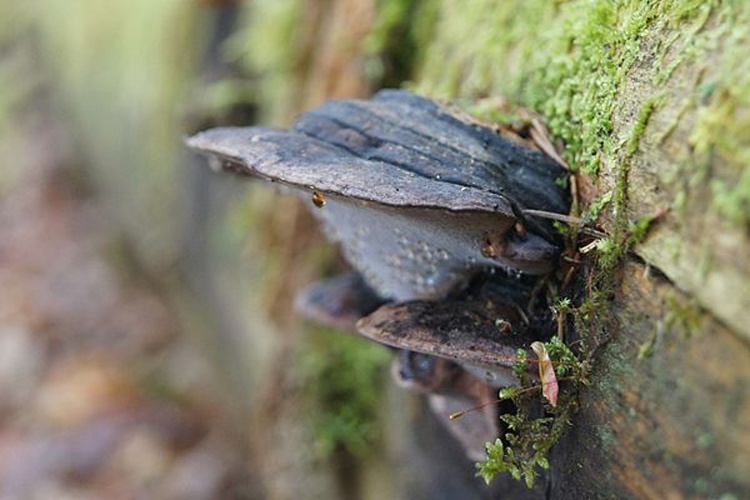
(418, 199)
(421, 201)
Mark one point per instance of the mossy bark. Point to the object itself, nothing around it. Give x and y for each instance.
(651, 100)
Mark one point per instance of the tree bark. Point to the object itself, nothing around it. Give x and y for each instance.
(667, 413)
(652, 104)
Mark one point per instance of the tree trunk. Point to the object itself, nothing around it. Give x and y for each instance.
(652, 104)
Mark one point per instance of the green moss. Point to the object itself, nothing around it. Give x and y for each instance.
(646, 349)
(395, 45)
(573, 71)
(343, 376)
(524, 447)
(721, 135)
(272, 47)
(639, 127)
(683, 317)
(573, 79)
(586, 69)
(596, 207)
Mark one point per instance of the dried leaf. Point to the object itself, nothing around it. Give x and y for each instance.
(546, 373)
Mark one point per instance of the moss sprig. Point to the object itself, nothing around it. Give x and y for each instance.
(524, 448)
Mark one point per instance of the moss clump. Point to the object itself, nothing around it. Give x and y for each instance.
(272, 46)
(571, 61)
(395, 45)
(573, 80)
(721, 135)
(639, 127)
(525, 447)
(343, 376)
(683, 317)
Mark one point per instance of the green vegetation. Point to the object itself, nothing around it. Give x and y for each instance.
(525, 447)
(279, 66)
(684, 317)
(583, 72)
(397, 42)
(343, 377)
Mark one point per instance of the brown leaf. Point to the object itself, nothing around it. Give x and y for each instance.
(546, 373)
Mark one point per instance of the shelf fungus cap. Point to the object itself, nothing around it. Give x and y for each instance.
(481, 335)
(419, 199)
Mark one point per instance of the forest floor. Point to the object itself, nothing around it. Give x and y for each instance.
(101, 394)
